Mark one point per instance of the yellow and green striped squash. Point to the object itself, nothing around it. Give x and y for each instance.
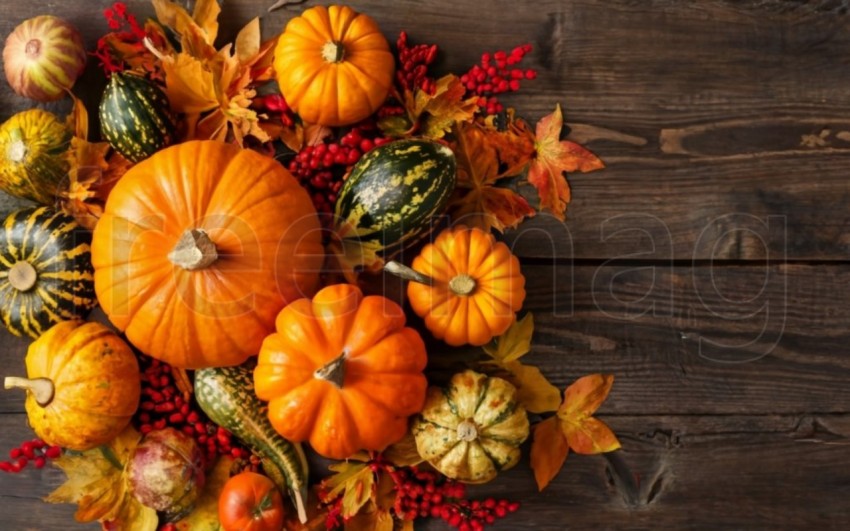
(395, 192)
(135, 116)
(46, 274)
(43, 57)
(33, 144)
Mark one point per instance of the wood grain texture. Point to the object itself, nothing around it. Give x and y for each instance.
(706, 267)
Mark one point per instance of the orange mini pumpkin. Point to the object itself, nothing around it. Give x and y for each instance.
(199, 248)
(342, 371)
(333, 65)
(466, 285)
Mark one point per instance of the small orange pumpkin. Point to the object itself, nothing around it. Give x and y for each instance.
(466, 285)
(82, 383)
(199, 248)
(342, 371)
(333, 65)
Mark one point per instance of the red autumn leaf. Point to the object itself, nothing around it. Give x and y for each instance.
(480, 203)
(514, 144)
(548, 451)
(554, 157)
(585, 434)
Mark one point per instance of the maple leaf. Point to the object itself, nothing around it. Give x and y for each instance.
(97, 483)
(431, 115)
(534, 391)
(553, 157)
(204, 515)
(548, 451)
(514, 144)
(479, 203)
(354, 481)
(585, 434)
(573, 428)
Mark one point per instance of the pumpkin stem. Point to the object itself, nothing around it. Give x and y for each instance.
(22, 276)
(41, 388)
(462, 284)
(333, 371)
(17, 151)
(333, 52)
(194, 250)
(407, 273)
(467, 430)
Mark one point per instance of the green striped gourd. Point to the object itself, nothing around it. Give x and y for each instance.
(394, 192)
(226, 394)
(33, 165)
(135, 116)
(46, 274)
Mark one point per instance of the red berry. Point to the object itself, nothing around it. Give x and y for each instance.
(53, 452)
(14, 453)
(39, 462)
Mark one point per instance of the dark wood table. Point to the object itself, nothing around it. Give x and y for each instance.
(706, 267)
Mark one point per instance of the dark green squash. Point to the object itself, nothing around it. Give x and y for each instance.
(135, 117)
(395, 192)
(46, 274)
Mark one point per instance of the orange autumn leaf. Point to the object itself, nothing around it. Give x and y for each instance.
(354, 481)
(514, 144)
(548, 451)
(554, 157)
(585, 434)
(480, 203)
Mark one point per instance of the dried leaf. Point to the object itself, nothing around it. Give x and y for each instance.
(548, 451)
(205, 16)
(514, 144)
(376, 520)
(404, 452)
(585, 434)
(204, 516)
(78, 120)
(355, 481)
(514, 343)
(248, 41)
(189, 84)
(534, 391)
(439, 112)
(479, 203)
(554, 157)
(97, 484)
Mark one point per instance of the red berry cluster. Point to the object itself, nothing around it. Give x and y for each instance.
(321, 168)
(424, 493)
(133, 34)
(496, 75)
(413, 63)
(35, 451)
(275, 105)
(164, 406)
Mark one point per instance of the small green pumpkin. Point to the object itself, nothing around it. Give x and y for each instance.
(135, 116)
(33, 144)
(472, 429)
(46, 274)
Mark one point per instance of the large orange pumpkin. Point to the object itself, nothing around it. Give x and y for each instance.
(199, 248)
(342, 371)
(333, 65)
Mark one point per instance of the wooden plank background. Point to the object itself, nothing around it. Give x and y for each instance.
(706, 267)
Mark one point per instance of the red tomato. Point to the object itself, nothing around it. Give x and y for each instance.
(250, 502)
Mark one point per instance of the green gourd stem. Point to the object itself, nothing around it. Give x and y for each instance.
(407, 273)
(42, 389)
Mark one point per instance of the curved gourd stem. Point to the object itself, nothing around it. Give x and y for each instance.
(402, 271)
(42, 389)
(333, 52)
(194, 250)
(333, 371)
(22, 276)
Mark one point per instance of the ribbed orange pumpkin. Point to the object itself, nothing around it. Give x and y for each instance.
(342, 371)
(333, 65)
(472, 286)
(199, 248)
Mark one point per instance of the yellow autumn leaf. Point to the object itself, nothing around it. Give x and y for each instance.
(189, 84)
(514, 343)
(354, 480)
(585, 434)
(440, 111)
(204, 516)
(248, 41)
(534, 391)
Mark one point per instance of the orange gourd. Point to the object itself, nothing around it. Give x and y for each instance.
(466, 285)
(333, 65)
(342, 371)
(199, 248)
(82, 383)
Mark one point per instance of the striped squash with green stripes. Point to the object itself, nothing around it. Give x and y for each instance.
(394, 193)
(46, 274)
(33, 164)
(135, 117)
